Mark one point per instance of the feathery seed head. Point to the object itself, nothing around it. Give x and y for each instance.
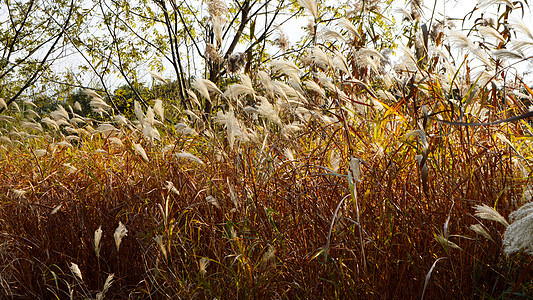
(519, 235)
(216, 8)
(486, 212)
(119, 234)
(97, 238)
(140, 150)
(189, 156)
(158, 109)
(157, 77)
(478, 228)
(204, 262)
(311, 6)
(76, 270)
(138, 111)
(268, 111)
(282, 40)
(108, 282)
(355, 169)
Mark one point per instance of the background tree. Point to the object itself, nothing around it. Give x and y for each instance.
(32, 37)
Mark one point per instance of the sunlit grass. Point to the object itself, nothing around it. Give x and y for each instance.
(309, 180)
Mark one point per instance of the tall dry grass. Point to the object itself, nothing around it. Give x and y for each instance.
(323, 177)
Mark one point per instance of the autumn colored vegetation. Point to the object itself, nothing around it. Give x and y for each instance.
(346, 166)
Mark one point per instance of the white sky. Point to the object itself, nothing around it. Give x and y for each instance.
(294, 29)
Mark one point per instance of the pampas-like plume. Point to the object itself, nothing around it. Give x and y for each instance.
(121, 120)
(150, 116)
(486, 212)
(116, 141)
(521, 45)
(14, 104)
(266, 81)
(3, 103)
(355, 168)
(158, 109)
(77, 106)
(60, 113)
(519, 235)
(204, 262)
(182, 128)
(268, 111)
(327, 34)
(138, 111)
(170, 186)
(340, 62)
(91, 93)
(311, 6)
(140, 150)
(268, 255)
(65, 144)
(18, 193)
(405, 13)
(204, 86)
(31, 125)
(507, 54)
(40, 152)
(71, 169)
(490, 32)
(193, 97)
(326, 82)
(483, 4)
(151, 133)
(482, 55)
(289, 154)
(460, 40)
(520, 26)
(157, 77)
(287, 92)
(369, 58)
(244, 88)
(286, 67)
(232, 125)
(29, 103)
(289, 130)
(119, 234)
(99, 103)
(477, 228)
(445, 243)
(189, 156)
(97, 238)
(346, 24)
(313, 86)
(191, 114)
(319, 58)
(107, 129)
(218, 28)
(211, 86)
(334, 160)
(76, 270)
(107, 285)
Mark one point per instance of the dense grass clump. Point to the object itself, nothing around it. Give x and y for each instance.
(321, 177)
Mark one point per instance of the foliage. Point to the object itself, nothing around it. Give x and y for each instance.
(331, 171)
